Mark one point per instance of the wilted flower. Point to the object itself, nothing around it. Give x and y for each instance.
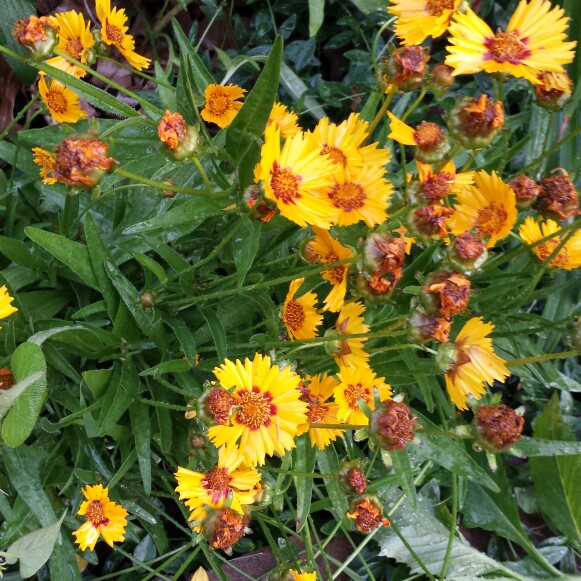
(406, 67)
(37, 34)
(558, 197)
(180, 139)
(446, 293)
(367, 512)
(6, 378)
(215, 405)
(497, 427)
(392, 425)
(351, 477)
(475, 122)
(467, 253)
(423, 328)
(223, 528)
(429, 222)
(383, 253)
(526, 191)
(554, 91)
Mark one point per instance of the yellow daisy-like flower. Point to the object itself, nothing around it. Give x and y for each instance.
(474, 362)
(425, 135)
(297, 178)
(300, 317)
(296, 576)
(489, 207)
(418, 19)
(222, 104)
(358, 384)
(104, 518)
(62, 103)
(286, 121)
(360, 194)
(46, 161)
(268, 408)
(315, 391)
(349, 352)
(6, 308)
(74, 39)
(568, 258)
(436, 185)
(324, 248)
(227, 483)
(114, 33)
(534, 42)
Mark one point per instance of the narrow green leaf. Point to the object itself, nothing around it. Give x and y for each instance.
(245, 246)
(174, 366)
(166, 96)
(537, 447)
(151, 265)
(72, 254)
(295, 86)
(141, 428)
(28, 359)
(404, 474)
(185, 338)
(316, 15)
(218, 333)
(120, 395)
(304, 460)
(19, 253)
(328, 463)
(557, 478)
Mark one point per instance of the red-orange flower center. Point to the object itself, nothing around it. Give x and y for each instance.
(507, 47)
(490, 219)
(547, 248)
(354, 393)
(74, 48)
(114, 33)
(219, 103)
(95, 514)
(437, 7)
(335, 154)
(285, 184)
(217, 481)
(56, 101)
(428, 135)
(348, 196)
(294, 315)
(255, 408)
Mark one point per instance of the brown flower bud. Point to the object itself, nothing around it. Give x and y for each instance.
(383, 253)
(215, 405)
(558, 197)
(475, 122)
(37, 35)
(431, 143)
(223, 528)
(367, 512)
(147, 299)
(392, 425)
(197, 441)
(467, 253)
(434, 188)
(351, 477)
(446, 293)
(405, 67)
(181, 140)
(6, 378)
(429, 222)
(497, 427)
(377, 288)
(259, 207)
(81, 162)
(554, 91)
(442, 79)
(526, 191)
(423, 328)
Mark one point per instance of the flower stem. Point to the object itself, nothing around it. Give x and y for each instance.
(302, 474)
(202, 172)
(21, 114)
(543, 357)
(413, 106)
(381, 113)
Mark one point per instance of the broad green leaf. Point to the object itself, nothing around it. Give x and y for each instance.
(557, 478)
(304, 459)
(13, 10)
(295, 86)
(404, 474)
(185, 338)
(537, 447)
(167, 96)
(34, 549)
(316, 15)
(141, 428)
(245, 245)
(43, 304)
(28, 359)
(72, 254)
(97, 380)
(9, 396)
(328, 463)
(19, 253)
(151, 265)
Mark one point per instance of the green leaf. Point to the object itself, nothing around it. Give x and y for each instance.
(536, 447)
(295, 86)
(316, 15)
(13, 10)
(173, 366)
(304, 459)
(141, 428)
(34, 549)
(19, 253)
(218, 333)
(72, 254)
(245, 246)
(151, 265)
(28, 359)
(9, 396)
(404, 474)
(166, 96)
(120, 395)
(368, 6)
(328, 463)
(185, 338)
(557, 479)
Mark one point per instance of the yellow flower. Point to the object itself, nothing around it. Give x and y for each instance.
(6, 308)
(568, 257)
(104, 518)
(74, 39)
(222, 104)
(358, 384)
(296, 178)
(300, 316)
(284, 120)
(268, 408)
(46, 161)
(114, 33)
(324, 248)
(228, 483)
(296, 576)
(489, 207)
(62, 103)
(360, 194)
(473, 363)
(418, 19)
(315, 391)
(349, 352)
(534, 42)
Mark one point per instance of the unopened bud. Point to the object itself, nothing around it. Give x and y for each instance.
(197, 441)
(497, 427)
(442, 79)
(392, 425)
(147, 299)
(475, 122)
(467, 253)
(526, 191)
(424, 328)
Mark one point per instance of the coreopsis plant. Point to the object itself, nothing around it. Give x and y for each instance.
(221, 242)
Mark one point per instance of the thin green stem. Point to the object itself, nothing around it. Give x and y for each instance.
(302, 474)
(136, 72)
(413, 106)
(548, 137)
(202, 172)
(19, 116)
(374, 54)
(139, 563)
(381, 113)
(543, 357)
(180, 6)
(185, 564)
(172, 558)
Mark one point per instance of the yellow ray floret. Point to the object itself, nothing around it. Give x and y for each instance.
(299, 315)
(61, 102)
(222, 104)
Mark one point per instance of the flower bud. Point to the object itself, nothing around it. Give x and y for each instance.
(446, 357)
(215, 405)
(526, 191)
(383, 253)
(554, 91)
(81, 161)
(6, 379)
(37, 35)
(351, 477)
(223, 528)
(147, 299)
(367, 512)
(475, 122)
(258, 206)
(434, 188)
(377, 288)
(467, 253)
(497, 427)
(263, 497)
(197, 441)
(423, 328)
(392, 425)
(180, 140)
(558, 197)
(405, 67)
(441, 79)
(445, 293)
(432, 145)
(429, 222)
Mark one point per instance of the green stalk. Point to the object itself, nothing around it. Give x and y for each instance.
(452, 527)
(381, 113)
(413, 106)
(19, 116)
(543, 357)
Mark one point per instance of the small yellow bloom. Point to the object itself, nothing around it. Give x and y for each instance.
(200, 575)
(6, 308)
(358, 384)
(474, 362)
(296, 576)
(568, 257)
(284, 120)
(46, 161)
(104, 518)
(222, 104)
(62, 103)
(349, 351)
(534, 42)
(489, 207)
(114, 33)
(300, 317)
